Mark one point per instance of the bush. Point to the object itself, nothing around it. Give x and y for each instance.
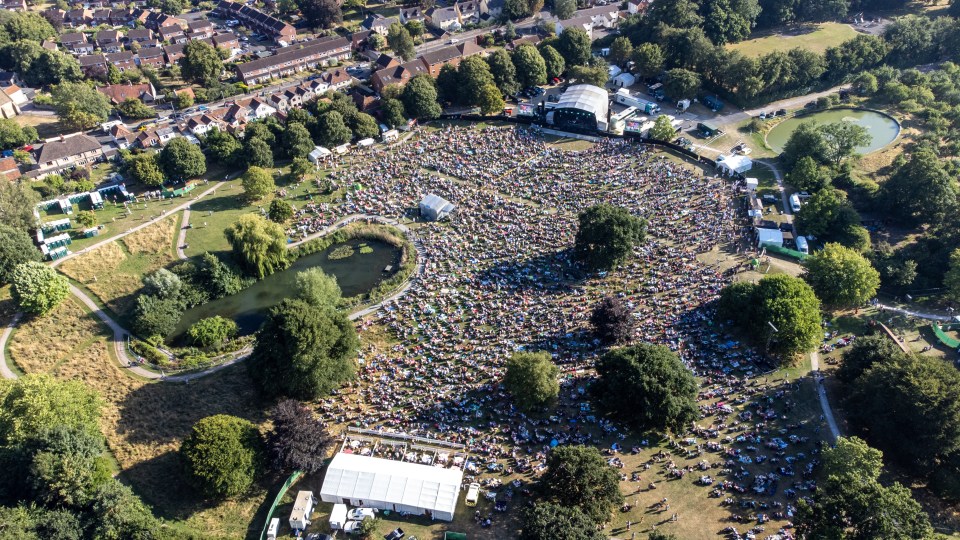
(212, 331)
(223, 455)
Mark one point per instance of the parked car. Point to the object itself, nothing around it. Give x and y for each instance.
(360, 514)
(319, 536)
(352, 527)
(395, 534)
(553, 98)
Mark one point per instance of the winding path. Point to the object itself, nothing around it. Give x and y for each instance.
(822, 395)
(182, 235)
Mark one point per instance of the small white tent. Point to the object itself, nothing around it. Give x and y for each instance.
(624, 80)
(434, 207)
(752, 184)
(318, 153)
(734, 164)
(769, 237)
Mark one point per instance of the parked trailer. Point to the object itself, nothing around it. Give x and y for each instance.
(713, 102)
(624, 97)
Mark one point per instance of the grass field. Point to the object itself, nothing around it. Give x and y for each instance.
(47, 126)
(816, 38)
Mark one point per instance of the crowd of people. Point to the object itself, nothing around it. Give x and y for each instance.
(499, 278)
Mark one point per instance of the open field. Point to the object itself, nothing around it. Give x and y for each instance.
(43, 344)
(816, 38)
(47, 125)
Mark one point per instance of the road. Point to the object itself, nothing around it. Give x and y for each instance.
(822, 395)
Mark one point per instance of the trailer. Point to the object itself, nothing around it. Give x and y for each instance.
(713, 102)
(624, 97)
(706, 130)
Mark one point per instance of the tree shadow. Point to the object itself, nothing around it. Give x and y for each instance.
(554, 272)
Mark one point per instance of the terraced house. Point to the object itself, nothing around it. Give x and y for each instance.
(289, 60)
(257, 20)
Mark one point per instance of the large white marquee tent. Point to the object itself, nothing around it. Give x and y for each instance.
(397, 486)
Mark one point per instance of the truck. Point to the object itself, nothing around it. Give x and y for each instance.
(713, 102)
(624, 97)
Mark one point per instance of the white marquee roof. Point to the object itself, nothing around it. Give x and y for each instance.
(356, 477)
(586, 97)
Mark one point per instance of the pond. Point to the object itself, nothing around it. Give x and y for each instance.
(356, 274)
(881, 127)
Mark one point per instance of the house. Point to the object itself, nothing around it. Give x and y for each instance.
(78, 17)
(637, 6)
(93, 66)
(358, 40)
(435, 60)
(152, 56)
(385, 61)
(109, 41)
(337, 78)
(445, 18)
(76, 43)
(291, 59)
(140, 35)
(9, 78)
(100, 16)
(120, 92)
(412, 13)
(66, 152)
(8, 108)
(121, 17)
(15, 5)
(202, 28)
(257, 20)
(588, 19)
(15, 93)
(156, 20)
(227, 40)
(469, 11)
(172, 34)
(49, 44)
(174, 52)
(378, 23)
(122, 60)
(56, 17)
(9, 168)
(397, 75)
(491, 8)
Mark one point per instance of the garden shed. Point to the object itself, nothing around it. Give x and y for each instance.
(397, 486)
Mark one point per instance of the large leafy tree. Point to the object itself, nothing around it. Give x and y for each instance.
(553, 61)
(37, 288)
(258, 244)
(589, 74)
(321, 13)
(806, 140)
(504, 72)
(473, 75)
(79, 105)
(400, 40)
(392, 112)
(32, 404)
(318, 288)
(852, 504)
(12, 135)
(579, 477)
(612, 320)
(17, 201)
(842, 138)
(646, 387)
(607, 235)
(531, 379)
(156, 316)
(564, 9)
(296, 140)
(681, 83)
(280, 211)
(920, 191)
(828, 215)
(223, 455)
(866, 352)
(118, 514)
(201, 64)
(841, 277)
(143, 168)
(621, 50)
(574, 45)
(531, 67)
(542, 521)
(420, 98)
(662, 129)
(212, 331)
(257, 183)
(363, 125)
(68, 465)
(135, 109)
(808, 175)
(303, 351)
(223, 147)
(649, 58)
(258, 153)
(298, 441)
(333, 129)
(16, 248)
(181, 160)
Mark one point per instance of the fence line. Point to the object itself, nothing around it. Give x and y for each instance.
(276, 500)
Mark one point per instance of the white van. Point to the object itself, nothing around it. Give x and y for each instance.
(273, 529)
(795, 202)
(473, 494)
(802, 245)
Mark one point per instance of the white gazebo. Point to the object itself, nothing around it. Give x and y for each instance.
(769, 237)
(318, 154)
(398, 486)
(434, 207)
(734, 164)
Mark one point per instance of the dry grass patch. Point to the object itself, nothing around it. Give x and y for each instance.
(94, 264)
(40, 344)
(155, 239)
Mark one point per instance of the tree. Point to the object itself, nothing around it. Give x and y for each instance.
(607, 235)
(258, 153)
(621, 50)
(34, 403)
(17, 201)
(299, 169)
(725, 24)
(681, 83)
(646, 387)
(200, 63)
(415, 27)
(392, 112)
(649, 58)
(67, 466)
(163, 283)
(574, 45)
(297, 141)
(303, 351)
(217, 278)
(553, 61)
(491, 101)
(400, 40)
(321, 13)
(503, 71)
(155, 316)
(280, 211)
(333, 129)
(827, 213)
(223, 147)
(181, 160)
(564, 9)
(223, 455)
(171, 7)
(79, 105)
(298, 441)
(595, 75)
(842, 138)
(16, 248)
(853, 504)
(920, 191)
(86, 218)
(808, 175)
(212, 331)
(134, 108)
(542, 521)
(806, 140)
(612, 321)
(26, 26)
(531, 379)
(184, 100)
(474, 76)
(12, 135)
(780, 301)
(579, 477)
(866, 352)
(363, 126)
(420, 98)
(662, 129)
(257, 184)
(318, 288)
(951, 279)
(143, 168)
(530, 66)
(118, 514)
(841, 277)
(37, 288)
(447, 85)
(258, 244)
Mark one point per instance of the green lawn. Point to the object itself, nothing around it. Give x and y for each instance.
(816, 38)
